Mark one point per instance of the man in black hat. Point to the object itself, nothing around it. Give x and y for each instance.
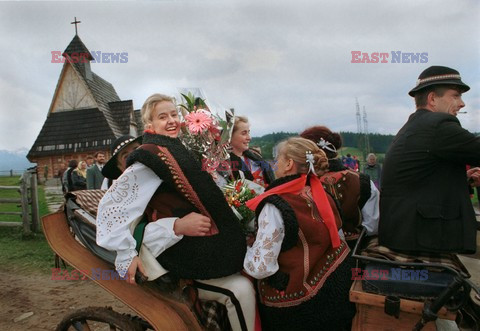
(424, 204)
(116, 165)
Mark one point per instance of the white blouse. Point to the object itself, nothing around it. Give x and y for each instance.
(122, 204)
(261, 259)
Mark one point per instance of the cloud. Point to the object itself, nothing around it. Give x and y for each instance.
(285, 65)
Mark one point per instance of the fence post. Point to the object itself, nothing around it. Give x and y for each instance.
(11, 172)
(34, 202)
(24, 193)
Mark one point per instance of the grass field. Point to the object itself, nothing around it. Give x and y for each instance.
(18, 252)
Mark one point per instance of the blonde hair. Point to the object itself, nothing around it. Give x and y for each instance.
(150, 104)
(238, 120)
(81, 171)
(296, 148)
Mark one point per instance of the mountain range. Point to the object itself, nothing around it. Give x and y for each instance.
(14, 160)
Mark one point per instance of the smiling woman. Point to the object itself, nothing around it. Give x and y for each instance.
(245, 162)
(161, 115)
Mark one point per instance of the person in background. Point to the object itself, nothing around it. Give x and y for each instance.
(94, 173)
(45, 172)
(67, 180)
(425, 205)
(349, 162)
(356, 163)
(90, 161)
(246, 162)
(373, 170)
(355, 194)
(61, 170)
(79, 176)
(120, 149)
(189, 227)
(301, 263)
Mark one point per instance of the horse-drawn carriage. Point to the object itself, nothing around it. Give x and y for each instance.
(169, 304)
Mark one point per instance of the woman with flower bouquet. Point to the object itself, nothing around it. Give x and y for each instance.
(188, 227)
(301, 263)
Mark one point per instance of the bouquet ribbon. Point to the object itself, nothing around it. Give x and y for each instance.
(319, 197)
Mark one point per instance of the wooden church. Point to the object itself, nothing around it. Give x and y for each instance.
(85, 116)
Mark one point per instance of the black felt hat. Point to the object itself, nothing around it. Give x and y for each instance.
(438, 75)
(110, 169)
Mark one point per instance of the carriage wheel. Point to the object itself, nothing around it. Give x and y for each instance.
(99, 318)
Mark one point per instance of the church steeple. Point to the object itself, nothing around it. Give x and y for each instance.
(78, 54)
(77, 46)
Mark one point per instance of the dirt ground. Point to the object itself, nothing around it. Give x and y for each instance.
(49, 300)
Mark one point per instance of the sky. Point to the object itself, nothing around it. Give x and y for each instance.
(284, 64)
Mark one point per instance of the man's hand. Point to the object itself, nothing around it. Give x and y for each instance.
(132, 269)
(193, 225)
(473, 175)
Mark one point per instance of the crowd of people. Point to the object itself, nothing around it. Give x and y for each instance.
(315, 203)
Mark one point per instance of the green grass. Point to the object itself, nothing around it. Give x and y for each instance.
(20, 253)
(24, 255)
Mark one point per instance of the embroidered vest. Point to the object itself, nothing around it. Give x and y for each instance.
(312, 246)
(344, 186)
(186, 188)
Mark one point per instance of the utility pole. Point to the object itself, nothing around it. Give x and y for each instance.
(359, 119)
(365, 131)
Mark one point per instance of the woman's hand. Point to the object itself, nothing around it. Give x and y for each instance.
(473, 175)
(193, 225)
(250, 239)
(132, 269)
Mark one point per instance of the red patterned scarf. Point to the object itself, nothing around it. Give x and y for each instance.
(319, 196)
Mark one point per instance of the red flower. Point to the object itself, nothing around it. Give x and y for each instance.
(237, 203)
(238, 187)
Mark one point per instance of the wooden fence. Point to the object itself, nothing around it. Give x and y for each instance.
(28, 203)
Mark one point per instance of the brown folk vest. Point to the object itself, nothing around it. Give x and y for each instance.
(310, 261)
(344, 186)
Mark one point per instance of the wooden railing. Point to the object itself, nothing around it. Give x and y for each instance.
(27, 200)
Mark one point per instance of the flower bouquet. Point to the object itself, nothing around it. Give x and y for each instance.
(205, 134)
(237, 193)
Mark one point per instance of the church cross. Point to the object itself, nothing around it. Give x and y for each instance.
(76, 22)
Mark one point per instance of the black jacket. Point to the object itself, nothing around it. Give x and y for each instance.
(424, 201)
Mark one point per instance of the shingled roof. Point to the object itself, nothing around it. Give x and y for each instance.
(103, 93)
(121, 111)
(77, 46)
(82, 130)
(137, 114)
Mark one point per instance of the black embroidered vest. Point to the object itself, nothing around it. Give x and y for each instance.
(185, 188)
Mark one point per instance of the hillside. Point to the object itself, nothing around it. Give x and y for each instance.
(353, 143)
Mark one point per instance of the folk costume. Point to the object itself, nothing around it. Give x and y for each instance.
(253, 167)
(166, 182)
(298, 222)
(356, 196)
(425, 204)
